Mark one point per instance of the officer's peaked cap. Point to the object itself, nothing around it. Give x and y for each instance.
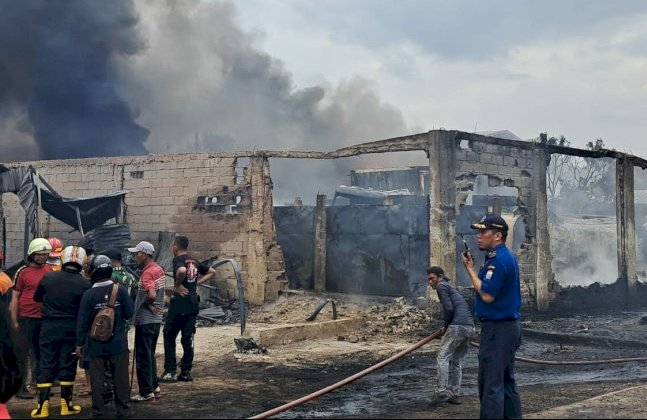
(491, 221)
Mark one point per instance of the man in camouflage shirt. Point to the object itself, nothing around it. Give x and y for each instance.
(119, 273)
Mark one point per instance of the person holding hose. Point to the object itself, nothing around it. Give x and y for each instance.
(497, 305)
(459, 326)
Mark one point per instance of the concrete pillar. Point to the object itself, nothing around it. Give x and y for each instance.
(497, 207)
(442, 201)
(320, 244)
(544, 272)
(626, 225)
(257, 274)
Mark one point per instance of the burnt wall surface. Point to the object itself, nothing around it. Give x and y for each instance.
(505, 166)
(295, 235)
(197, 195)
(377, 250)
(415, 179)
(370, 249)
(596, 297)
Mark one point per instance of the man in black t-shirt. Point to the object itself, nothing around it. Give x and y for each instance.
(183, 310)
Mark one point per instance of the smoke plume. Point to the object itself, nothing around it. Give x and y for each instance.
(58, 79)
(203, 85)
(73, 73)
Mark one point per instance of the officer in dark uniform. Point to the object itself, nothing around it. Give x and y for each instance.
(498, 300)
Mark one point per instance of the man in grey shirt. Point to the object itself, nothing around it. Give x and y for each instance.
(459, 326)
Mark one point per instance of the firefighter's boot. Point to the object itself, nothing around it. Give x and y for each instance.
(42, 411)
(67, 408)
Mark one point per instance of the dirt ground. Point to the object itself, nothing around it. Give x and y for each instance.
(229, 384)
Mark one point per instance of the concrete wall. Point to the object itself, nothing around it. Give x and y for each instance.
(512, 167)
(174, 193)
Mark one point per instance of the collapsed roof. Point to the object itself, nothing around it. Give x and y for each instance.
(34, 192)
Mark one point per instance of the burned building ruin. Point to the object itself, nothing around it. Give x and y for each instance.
(223, 202)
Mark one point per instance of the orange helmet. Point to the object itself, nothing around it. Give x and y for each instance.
(57, 247)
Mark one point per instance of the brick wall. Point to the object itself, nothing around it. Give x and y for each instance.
(513, 167)
(196, 195)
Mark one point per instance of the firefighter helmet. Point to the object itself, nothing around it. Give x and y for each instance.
(57, 247)
(73, 255)
(39, 246)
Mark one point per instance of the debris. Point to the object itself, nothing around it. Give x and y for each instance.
(561, 349)
(249, 346)
(321, 305)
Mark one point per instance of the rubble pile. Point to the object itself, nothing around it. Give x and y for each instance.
(397, 319)
(249, 346)
(297, 309)
(213, 312)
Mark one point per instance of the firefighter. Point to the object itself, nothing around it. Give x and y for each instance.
(26, 313)
(54, 259)
(60, 293)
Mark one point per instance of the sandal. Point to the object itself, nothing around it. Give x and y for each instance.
(84, 393)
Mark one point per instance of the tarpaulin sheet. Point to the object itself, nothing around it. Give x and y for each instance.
(106, 237)
(20, 182)
(94, 211)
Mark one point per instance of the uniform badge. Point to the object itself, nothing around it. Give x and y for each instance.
(489, 274)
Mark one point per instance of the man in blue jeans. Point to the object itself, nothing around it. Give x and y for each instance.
(149, 306)
(498, 301)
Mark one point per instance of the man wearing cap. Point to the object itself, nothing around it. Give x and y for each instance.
(497, 304)
(149, 305)
(459, 326)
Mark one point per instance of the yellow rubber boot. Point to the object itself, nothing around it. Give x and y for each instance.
(67, 408)
(42, 411)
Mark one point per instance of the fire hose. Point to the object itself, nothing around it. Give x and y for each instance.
(419, 344)
(348, 380)
(572, 362)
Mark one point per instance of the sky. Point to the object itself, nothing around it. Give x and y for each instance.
(573, 68)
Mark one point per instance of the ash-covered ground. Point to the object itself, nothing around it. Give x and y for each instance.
(233, 385)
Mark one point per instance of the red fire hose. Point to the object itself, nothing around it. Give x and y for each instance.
(348, 380)
(419, 344)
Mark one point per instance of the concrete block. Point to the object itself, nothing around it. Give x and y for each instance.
(306, 331)
(272, 289)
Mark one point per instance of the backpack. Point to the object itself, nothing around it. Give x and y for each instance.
(104, 321)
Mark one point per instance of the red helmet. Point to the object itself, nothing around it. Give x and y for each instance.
(57, 247)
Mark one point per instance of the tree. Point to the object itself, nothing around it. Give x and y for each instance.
(576, 178)
(558, 165)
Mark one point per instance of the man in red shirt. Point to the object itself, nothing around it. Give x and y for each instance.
(25, 312)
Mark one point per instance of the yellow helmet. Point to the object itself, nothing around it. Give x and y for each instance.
(40, 246)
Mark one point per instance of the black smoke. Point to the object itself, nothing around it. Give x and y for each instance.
(59, 77)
